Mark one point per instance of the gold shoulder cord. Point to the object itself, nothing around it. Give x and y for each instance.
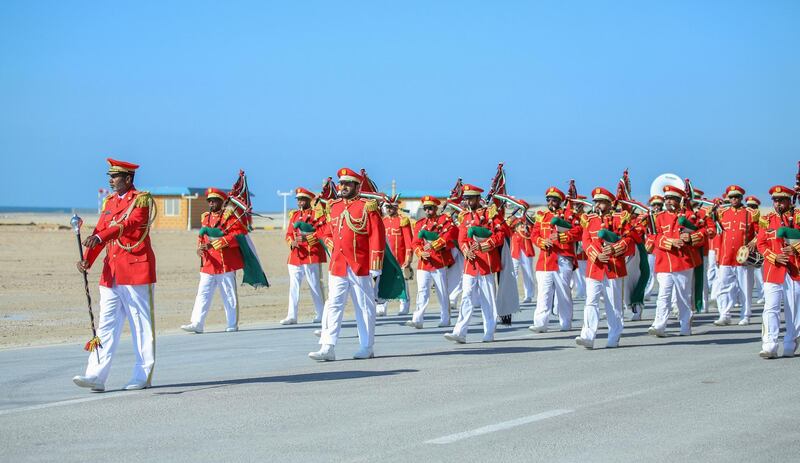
(153, 213)
(358, 227)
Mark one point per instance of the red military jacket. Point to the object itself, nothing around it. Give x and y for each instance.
(770, 246)
(521, 242)
(615, 267)
(123, 229)
(739, 227)
(439, 249)
(398, 235)
(226, 256)
(486, 261)
(354, 236)
(703, 219)
(669, 258)
(563, 242)
(311, 250)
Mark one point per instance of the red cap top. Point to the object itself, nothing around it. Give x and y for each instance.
(216, 193)
(675, 192)
(301, 192)
(733, 190)
(554, 192)
(115, 167)
(349, 175)
(752, 200)
(779, 191)
(656, 199)
(430, 201)
(472, 190)
(601, 193)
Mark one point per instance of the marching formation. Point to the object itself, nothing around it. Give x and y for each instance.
(471, 249)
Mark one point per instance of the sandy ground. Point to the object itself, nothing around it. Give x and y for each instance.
(42, 299)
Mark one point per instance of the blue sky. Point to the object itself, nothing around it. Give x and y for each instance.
(421, 92)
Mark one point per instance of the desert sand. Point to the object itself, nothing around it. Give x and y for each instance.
(42, 298)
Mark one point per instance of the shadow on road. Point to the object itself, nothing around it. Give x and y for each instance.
(298, 378)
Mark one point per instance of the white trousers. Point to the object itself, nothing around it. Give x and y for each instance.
(454, 274)
(634, 272)
(134, 302)
(554, 289)
(651, 282)
(711, 273)
(311, 273)
(730, 282)
(579, 280)
(611, 292)
(404, 303)
(361, 289)
(679, 284)
(758, 287)
(426, 279)
(486, 288)
(226, 282)
(525, 265)
(774, 294)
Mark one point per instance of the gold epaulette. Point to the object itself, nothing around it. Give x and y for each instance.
(539, 216)
(319, 210)
(492, 211)
(291, 213)
(461, 216)
(204, 215)
(105, 200)
(756, 214)
(404, 221)
(371, 205)
(624, 217)
(144, 199)
(585, 219)
(763, 221)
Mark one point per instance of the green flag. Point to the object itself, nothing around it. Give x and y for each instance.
(391, 284)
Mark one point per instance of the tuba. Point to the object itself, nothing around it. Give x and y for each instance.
(657, 187)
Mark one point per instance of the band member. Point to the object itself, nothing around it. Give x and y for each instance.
(732, 278)
(481, 232)
(356, 239)
(781, 273)
(701, 283)
(455, 272)
(306, 255)
(434, 237)
(656, 205)
(754, 204)
(579, 275)
(555, 234)
(523, 252)
(675, 245)
(398, 235)
(635, 283)
(605, 238)
(220, 258)
(127, 279)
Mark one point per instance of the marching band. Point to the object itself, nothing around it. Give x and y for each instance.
(473, 245)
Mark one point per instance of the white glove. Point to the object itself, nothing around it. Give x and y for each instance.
(374, 273)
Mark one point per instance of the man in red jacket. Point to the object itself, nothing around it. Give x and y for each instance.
(676, 247)
(398, 235)
(781, 274)
(754, 204)
(556, 261)
(605, 241)
(523, 252)
(127, 280)
(356, 239)
(739, 226)
(220, 258)
(306, 255)
(433, 239)
(482, 262)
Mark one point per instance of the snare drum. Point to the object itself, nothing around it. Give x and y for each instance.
(749, 258)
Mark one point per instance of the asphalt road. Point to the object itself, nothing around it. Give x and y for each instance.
(255, 396)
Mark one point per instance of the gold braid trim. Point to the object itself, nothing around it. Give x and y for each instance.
(371, 206)
(143, 200)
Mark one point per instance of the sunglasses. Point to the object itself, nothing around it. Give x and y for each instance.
(117, 175)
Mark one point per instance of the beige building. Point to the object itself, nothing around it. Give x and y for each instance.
(179, 208)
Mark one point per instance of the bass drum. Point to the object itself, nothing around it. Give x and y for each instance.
(749, 258)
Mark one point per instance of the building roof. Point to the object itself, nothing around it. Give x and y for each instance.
(175, 191)
(416, 194)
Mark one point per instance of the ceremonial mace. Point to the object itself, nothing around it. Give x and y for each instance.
(94, 343)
